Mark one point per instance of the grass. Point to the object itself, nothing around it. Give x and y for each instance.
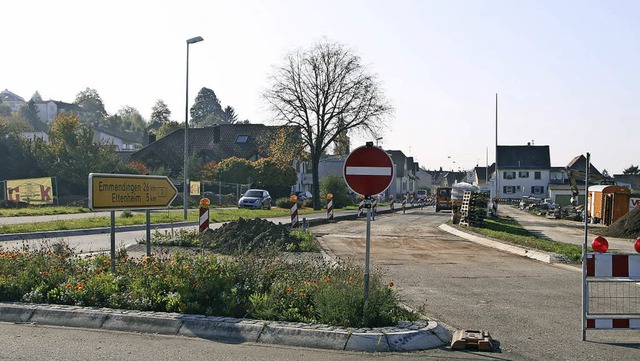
(508, 230)
(136, 218)
(41, 211)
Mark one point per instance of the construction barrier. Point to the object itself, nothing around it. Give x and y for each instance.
(361, 207)
(295, 223)
(330, 206)
(611, 292)
(204, 215)
(404, 203)
(391, 202)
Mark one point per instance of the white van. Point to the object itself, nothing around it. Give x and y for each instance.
(421, 194)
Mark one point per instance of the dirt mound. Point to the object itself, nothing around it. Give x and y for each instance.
(626, 227)
(249, 236)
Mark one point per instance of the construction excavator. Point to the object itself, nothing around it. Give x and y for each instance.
(594, 177)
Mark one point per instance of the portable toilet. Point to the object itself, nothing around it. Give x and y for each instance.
(607, 203)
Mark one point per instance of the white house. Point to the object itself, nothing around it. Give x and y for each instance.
(523, 170)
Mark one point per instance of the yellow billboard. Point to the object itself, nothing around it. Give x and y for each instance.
(31, 190)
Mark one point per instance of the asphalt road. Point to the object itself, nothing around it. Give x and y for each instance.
(532, 309)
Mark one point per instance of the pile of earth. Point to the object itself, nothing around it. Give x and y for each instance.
(626, 227)
(253, 236)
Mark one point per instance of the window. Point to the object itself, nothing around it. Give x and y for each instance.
(538, 175)
(508, 190)
(537, 189)
(509, 175)
(242, 139)
(523, 174)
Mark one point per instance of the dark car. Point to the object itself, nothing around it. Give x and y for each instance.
(256, 199)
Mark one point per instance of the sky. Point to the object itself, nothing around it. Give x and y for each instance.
(565, 73)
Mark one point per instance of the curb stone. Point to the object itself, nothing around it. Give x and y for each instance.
(406, 336)
(520, 251)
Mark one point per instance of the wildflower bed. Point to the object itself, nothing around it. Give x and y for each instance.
(250, 285)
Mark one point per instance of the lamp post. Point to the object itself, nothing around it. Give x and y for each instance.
(186, 129)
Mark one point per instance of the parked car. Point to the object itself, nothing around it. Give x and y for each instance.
(256, 199)
(302, 195)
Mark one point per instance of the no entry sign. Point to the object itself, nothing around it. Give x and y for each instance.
(368, 170)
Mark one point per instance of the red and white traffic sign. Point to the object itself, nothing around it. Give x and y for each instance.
(368, 170)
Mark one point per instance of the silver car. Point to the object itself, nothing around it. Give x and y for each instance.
(256, 199)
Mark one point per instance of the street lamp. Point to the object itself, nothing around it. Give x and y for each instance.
(186, 129)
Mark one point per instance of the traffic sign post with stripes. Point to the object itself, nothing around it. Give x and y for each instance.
(368, 171)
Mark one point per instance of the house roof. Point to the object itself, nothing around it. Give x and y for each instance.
(579, 163)
(523, 157)
(481, 172)
(214, 143)
(632, 179)
(399, 159)
(8, 96)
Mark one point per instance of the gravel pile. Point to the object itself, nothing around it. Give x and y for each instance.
(253, 236)
(626, 227)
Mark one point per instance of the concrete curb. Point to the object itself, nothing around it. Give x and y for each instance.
(406, 336)
(520, 251)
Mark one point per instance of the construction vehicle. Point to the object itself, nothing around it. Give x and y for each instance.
(443, 198)
(594, 177)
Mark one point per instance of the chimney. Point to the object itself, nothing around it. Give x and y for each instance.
(151, 137)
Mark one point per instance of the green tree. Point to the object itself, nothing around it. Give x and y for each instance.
(229, 115)
(326, 91)
(132, 120)
(15, 123)
(5, 110)
(269, 173)
(167, 128)
(206, 109)
(283, 145)
(633, 169)
(160, 113)
(36, 97)
(15, 156)
(91, 102)
(234, 170)
(72, 154)
(30, 111)
(338, 188)
(92, 106)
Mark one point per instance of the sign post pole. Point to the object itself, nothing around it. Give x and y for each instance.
(368, 171)
(367, 246)
(113, 242)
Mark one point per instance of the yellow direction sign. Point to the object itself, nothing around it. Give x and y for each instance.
(128, 191)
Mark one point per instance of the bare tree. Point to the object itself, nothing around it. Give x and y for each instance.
(325, 91)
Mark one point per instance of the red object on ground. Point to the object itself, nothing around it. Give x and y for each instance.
(637, 245)
(600, 244)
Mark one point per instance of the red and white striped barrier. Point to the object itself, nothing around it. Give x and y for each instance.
(613, 265)
(204, 219)
(361, 208)
(392, 201)
(330, 206)
(613, 268)
(295, 223)
(613, 323)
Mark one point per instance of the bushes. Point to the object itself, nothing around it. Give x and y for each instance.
(246, 286)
